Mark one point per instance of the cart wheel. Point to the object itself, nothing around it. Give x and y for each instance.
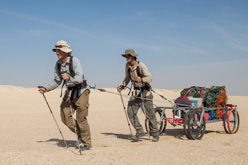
(185, 125)
(233, 122)
(161, 121)
(196, 131)
(225, 120)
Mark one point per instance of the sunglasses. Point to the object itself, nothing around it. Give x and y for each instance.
(58, 46)
(127, 56)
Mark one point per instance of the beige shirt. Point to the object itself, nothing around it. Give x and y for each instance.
(145, 75)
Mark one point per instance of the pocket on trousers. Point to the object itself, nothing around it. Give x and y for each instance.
(86, 110)
(87, 106)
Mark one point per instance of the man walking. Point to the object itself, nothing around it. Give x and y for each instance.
(68, 69)
(139, 75)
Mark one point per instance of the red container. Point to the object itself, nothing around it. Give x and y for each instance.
(206, 116)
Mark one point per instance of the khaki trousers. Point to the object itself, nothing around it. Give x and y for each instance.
(81, 106)
(134, 104)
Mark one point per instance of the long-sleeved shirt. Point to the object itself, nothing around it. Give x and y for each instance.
(145, 74)
(77, 79)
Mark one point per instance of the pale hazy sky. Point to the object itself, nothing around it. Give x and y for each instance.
(183, 42)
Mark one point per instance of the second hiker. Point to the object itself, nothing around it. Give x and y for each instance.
(139, 75)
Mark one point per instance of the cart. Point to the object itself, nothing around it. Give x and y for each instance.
(193, 119)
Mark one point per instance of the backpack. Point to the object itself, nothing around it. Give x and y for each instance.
(72, 73)
(77, 87)
(147, 85)
(183, 100)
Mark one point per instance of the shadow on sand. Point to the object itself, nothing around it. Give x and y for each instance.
(176, 133)
(119, 136)
(180, 134)
(126, 136)
(59, 142)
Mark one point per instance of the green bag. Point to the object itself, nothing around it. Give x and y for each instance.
(209, 95)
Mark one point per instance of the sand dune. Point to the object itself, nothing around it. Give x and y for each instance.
(30, 136)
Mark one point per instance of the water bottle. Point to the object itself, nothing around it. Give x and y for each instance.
(192, 103)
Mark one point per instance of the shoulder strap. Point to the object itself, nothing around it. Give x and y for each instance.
(129, 72)
(137, 71)
(58, 66)
(72, 73)
(147, 85)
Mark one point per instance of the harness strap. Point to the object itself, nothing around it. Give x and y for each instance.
(201, 96)
(72, 73)
(191, 89)
(188, 91)
(200, 92)
(147, 85)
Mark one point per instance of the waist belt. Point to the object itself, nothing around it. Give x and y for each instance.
(76, 89)
(146, 87)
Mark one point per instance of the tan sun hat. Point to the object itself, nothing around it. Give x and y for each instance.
(129, 52)
(63, 46)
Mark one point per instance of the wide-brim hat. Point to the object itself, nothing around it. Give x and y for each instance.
(130, 52)
(63, 46)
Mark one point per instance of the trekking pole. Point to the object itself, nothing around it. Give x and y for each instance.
(143, 106)
(162, 97)
(126, 114)
(104, 90)
(74, 123)
(53, 117)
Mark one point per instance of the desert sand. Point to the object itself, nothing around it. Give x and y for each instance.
(29, 135)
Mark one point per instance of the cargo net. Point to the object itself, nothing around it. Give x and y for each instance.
(213, 96)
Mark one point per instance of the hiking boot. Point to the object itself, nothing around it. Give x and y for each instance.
(138, 136)
(85, 148)
(155, 138)
(79, 142)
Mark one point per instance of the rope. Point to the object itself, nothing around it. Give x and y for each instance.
(127, 96)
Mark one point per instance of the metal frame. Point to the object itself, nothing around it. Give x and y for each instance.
(178, 119)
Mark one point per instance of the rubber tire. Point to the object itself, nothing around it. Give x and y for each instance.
(185, 125)
(225, 121)
(162, 125)
(198, 132)
(235, 128)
